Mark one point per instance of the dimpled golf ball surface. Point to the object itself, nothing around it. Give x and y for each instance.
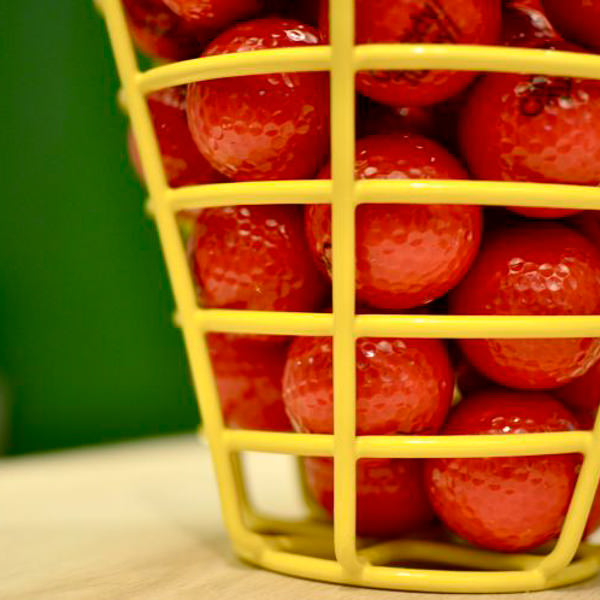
(248, 378)
(183, 163)
(532, 269)
(415, 22)
(403, 386)
(262, 127)
(406, 255)
(256, 258)
(214, 13)
(390, 494)
(508, 504)
(160, 33)
(533, 128)
(577, 20)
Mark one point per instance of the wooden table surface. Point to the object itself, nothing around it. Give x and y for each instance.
(142, 521)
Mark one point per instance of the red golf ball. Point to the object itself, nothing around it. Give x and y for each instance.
(248, 378)
(183, 163)
(583, 393)
(517, 127)
(526, 24)
(256, 258)
(403, 386)
(537, 269)
(390, 494)
(507, 504)
(406, 255)
(160, 33)
(577, 20)
(262, 127)
(214, 14)
(415, 22)
(586, 418)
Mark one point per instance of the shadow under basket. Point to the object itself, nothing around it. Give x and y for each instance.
(314, 548)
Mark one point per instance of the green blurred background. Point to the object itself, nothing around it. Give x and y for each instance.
(88, 352)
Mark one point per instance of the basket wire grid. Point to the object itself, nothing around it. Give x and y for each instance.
(307, 548)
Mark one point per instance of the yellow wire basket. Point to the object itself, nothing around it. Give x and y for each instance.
(310, 548)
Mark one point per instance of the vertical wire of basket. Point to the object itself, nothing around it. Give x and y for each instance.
(307, 548)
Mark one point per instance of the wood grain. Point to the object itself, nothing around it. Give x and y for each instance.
(142, 521)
